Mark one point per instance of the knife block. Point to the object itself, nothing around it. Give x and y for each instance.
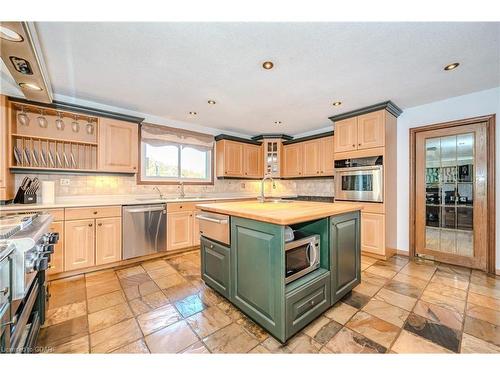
(23, 197)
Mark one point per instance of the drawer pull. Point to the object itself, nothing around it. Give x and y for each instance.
(100, 224)
(95, 212)
(90, 225)
(312, 303)
(212, 220)
(211, 246)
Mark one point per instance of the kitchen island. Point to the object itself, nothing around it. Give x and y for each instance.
(247, 256)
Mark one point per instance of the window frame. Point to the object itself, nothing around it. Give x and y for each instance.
(141, 180)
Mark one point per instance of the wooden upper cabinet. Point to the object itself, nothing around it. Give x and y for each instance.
(179, 230)
(79, 244)
(118, 146)
(346, 135)
(229, 158)
(311, 163)
(371, 130)
(108, 240)
(292, 160)
(252, 160)
(326, 151)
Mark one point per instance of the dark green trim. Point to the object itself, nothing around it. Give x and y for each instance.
(61, 106)
(388, 106)
(309, 138)
(273, 136)
(228, 137)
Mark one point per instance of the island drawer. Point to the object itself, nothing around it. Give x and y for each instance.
(307, 302)
(215, 266)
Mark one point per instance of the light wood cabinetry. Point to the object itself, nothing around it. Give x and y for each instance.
(238, 159)
(252, 161)
(108, 240)
(326, 151)
(371, 130)
(292, 160)
(92, 236)
(6, 178)
(361, 132)
(311, 164)
(118, 146)
(180, 230)
(373, 233)
(79, 244)
(346, 134)
(312, 158)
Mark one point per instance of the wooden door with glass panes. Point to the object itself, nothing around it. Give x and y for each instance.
(272, 156)
(451, 195)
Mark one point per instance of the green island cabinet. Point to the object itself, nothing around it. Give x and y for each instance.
(251, 272)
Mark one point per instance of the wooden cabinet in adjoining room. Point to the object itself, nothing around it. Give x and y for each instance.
(108, 240)
(79, 244)
(292, 160)
(118, 146)
(57, 258)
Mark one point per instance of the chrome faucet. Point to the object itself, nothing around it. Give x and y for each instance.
(159, 192)
(182, 194)
(262, 197)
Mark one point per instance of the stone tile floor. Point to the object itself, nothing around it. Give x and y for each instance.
(162, 306)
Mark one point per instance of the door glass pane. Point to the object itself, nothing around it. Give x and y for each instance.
(449, 194)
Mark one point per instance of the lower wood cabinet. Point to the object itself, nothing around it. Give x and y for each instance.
(373, 233)
(180, 230)
(57, 258)
(92, 241)
(215, 270)
(344, 254)
(108, 240)
(79, 244)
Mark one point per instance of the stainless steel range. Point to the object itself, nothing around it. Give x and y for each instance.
(32, 243)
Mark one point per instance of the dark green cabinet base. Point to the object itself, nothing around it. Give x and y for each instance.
(215, 266)
(251, 274)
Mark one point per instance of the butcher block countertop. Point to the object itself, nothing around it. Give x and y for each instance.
(281, 213)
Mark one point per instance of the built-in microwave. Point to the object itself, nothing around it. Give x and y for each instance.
(302, 255)
(359, 179)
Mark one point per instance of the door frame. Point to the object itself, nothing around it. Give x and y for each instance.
(490, 125)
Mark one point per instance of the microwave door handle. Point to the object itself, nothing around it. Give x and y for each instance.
(310, 249)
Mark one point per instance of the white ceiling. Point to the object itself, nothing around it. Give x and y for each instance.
(168, 69)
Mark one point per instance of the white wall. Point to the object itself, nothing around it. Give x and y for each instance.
(476, 104)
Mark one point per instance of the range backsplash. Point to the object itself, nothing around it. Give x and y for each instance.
(124, 185)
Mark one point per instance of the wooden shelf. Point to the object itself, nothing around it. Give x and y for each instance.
(60, 140)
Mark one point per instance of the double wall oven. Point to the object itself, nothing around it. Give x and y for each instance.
(359, 179)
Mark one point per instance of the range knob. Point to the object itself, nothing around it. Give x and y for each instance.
(53, 238)
(42, 264)
(47, 249)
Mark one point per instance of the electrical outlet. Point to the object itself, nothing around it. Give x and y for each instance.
(64, 181)
(242, 185)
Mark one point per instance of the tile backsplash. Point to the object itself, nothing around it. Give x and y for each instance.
(127, 185)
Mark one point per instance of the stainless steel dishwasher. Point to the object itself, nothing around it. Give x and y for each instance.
(144, 229)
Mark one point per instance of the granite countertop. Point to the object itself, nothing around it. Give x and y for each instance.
(281, 213)
(121, 200)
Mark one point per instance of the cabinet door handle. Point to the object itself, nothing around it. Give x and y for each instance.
(100, 224)
(211, 246)
(353, 146)
(90, 225)
(359, 144)
(95, 212)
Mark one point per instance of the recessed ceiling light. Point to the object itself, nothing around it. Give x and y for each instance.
(211, 101)
(336, 104)
(30, 86)
(193, 113)
(278, 122)
(268, 65)
(451, 66)
(10, 35)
